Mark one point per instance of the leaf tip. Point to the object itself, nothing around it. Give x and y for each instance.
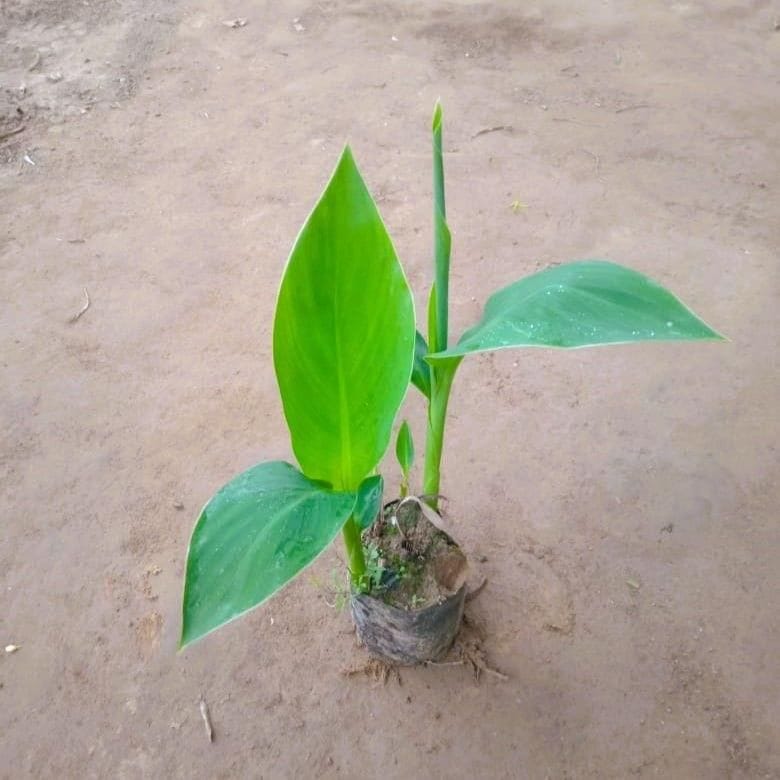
(346, 155)
(437, 115)
(186, 634)
(184, 639)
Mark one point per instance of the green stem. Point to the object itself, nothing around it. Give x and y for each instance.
(443, 373)
(354, 545)
(441, 385)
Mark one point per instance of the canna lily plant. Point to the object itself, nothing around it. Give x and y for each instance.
(345, 349)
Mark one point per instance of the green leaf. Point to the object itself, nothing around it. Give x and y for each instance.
(580, 304)
(441, 239)
(343, 334)
(369, 500)
(432, 319)
(421, 371)
(404, 449)
(256, 534)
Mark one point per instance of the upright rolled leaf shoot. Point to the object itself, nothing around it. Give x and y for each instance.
(442, 241)
(438, 322)
(404, 450)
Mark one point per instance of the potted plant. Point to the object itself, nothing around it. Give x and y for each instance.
(345, 348)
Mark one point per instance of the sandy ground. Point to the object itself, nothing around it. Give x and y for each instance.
(623, 503)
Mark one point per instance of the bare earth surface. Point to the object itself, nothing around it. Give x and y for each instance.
(623, 503)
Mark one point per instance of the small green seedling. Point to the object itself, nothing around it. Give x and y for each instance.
(404, 451)
(345, 347)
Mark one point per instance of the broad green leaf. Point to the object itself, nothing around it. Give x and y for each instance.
(256, 534)
(404, 449)
(421, 371)
(442, 240)
(580, 304)
(369, 500)
(343, 334)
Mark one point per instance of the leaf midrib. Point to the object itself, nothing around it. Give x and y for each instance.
(344, 428)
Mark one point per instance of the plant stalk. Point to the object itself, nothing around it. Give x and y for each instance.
(438, 304)
(441, 385)
(354, 545)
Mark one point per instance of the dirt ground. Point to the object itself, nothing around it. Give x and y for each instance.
(623, 503)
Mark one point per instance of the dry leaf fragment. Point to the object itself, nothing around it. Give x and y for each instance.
(431, 515)
(204, 713)
(81, 311)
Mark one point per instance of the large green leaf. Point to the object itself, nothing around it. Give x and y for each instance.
(344, 334)
(580, 304)
(255, 535)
